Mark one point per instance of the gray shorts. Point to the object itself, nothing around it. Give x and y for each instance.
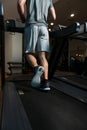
(36, 38)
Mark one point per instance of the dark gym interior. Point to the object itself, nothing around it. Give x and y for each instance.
(64, 107)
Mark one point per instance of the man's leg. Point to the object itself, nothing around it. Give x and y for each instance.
(44, 63)
(38, 70)
(32, 60)
(45, 83)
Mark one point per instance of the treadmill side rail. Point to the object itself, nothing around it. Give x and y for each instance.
(14, 116)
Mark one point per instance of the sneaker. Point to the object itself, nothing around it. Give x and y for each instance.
(45, 86)
(36, 80)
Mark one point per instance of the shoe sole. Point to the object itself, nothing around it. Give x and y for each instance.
(45, 89)
(37, 77)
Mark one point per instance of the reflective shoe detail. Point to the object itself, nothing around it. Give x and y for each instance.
(37, 77)
(45, 86)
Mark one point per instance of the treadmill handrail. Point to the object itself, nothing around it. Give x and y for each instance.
(85, 27)
(65, 32)
(1, 9)
(2, 44)
(82, 34)
(15, 29)
(82, 29)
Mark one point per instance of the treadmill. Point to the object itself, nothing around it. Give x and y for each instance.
(26, 108)
(77, 84)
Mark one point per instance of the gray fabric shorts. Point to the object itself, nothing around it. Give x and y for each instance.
(36, 38)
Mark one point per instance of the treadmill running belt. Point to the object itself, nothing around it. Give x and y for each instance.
(78, 79)
(52, 110)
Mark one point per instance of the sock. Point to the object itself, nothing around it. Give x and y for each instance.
(35, 68)
(45, 80)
